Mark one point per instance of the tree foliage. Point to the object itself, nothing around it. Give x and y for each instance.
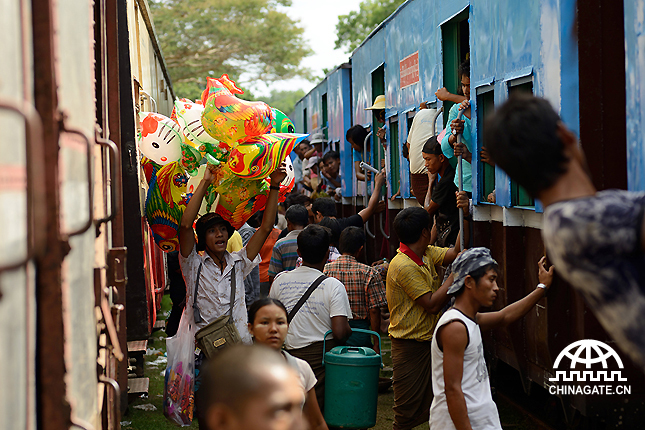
(284, 100)
(354, 27)
(249, 40)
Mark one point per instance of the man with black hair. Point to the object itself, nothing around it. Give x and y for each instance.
(216, 265)
(356, 136)
(250, 387)
(363, 283)
(595, 239)
(285, 250)
(326, 207)
(327, 308)
(331, 172)
(440, 200)
(462, 394)
(414, 298)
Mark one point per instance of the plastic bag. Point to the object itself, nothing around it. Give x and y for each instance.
(179, 382)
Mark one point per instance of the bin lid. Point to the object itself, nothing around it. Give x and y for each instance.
(353, 356)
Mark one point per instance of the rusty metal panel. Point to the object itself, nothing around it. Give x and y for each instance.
(75, 89)
(17, 286)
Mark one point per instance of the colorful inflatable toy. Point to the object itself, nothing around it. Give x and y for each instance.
(258, 157)
(229, 119)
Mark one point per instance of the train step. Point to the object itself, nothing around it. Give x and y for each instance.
(159, 325)
(137, 347)
(138, 386)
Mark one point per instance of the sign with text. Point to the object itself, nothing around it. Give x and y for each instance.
(409, 68)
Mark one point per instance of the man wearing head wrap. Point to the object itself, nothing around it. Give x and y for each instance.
(462, 396)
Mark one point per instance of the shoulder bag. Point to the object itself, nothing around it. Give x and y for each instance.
(221, 333)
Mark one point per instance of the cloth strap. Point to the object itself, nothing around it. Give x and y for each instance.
(197, 315)
(304, 297)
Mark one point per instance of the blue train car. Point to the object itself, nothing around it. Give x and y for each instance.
(578, 55)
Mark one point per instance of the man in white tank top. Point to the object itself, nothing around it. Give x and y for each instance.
(462, 396)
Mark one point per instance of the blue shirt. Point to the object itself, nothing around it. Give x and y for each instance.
(467, 173)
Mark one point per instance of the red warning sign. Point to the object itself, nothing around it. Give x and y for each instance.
(409, 68)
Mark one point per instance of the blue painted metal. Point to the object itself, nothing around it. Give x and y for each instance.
(635, 91)
(340, 120)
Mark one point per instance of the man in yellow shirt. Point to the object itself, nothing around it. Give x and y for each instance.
(415, 299)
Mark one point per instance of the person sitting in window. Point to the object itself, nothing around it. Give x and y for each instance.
(440, 200)
(331, 173)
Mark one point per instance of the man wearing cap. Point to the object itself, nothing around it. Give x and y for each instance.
(462, 396)
(379, 111)
(217, 265)
(414, 298)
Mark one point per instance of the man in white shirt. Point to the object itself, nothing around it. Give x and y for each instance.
(214, 288)
(326, 309)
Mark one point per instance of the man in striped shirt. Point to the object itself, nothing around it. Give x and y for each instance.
(285, 251)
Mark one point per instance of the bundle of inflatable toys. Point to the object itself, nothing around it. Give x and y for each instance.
(241, 142)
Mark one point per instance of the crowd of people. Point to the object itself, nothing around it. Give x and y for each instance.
(299, 275)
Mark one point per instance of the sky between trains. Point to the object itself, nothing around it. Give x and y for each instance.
(319, 19)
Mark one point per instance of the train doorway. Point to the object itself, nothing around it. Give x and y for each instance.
(455, 43)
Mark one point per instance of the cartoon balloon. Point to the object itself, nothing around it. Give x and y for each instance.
(258, 157)
(189, 117)
(172, 180)
(160, 139)
(281, 123)
(229, 119)
(163, 219)
(287, 183)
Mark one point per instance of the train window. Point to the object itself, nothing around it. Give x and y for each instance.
(304, 120)
(395, 162)
(456, 49)
(378, 88)
(485, 106)
(519, 196)
(324, 117)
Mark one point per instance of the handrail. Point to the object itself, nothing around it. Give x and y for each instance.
(434, 120)
(36, 219)
(461, 186)
(115, 184)
(117, 397)
(149, 97)
(365, 200)
(385, 235)
(90, 218)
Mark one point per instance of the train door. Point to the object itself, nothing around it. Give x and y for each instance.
(21, 218)
(456, 49)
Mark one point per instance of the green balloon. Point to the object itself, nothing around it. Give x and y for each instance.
(281, 123)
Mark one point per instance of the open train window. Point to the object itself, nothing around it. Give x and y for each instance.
(519, 196)
(325, 127)
(485, 107)
(456, 49)
(378, 88)
(395, 162)
(304, 120)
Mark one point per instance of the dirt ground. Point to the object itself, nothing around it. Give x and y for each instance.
(145, 413)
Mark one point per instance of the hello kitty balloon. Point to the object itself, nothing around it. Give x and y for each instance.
(189, 117)
(160, 139)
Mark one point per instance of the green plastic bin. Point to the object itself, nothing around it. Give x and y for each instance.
(351, 385)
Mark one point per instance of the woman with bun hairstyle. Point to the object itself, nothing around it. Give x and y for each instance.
(268, 325)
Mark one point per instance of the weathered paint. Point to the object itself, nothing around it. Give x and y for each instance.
(635, 92)
(339, 116)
